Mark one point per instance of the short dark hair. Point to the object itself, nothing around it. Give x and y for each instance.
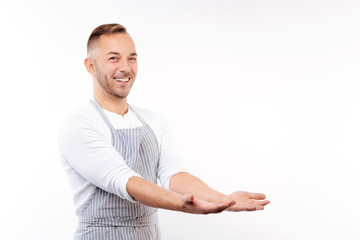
(104, 29)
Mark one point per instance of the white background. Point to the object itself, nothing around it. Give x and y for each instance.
(261, 95)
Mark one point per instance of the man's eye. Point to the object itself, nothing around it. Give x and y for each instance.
(132, 59)
(113, 58)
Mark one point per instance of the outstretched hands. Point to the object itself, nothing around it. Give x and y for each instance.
(247, 201)
(235, 202)
(199, 198)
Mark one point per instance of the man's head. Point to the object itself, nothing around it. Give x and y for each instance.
(111, 60)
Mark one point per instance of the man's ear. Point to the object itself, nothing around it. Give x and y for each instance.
(90, 66)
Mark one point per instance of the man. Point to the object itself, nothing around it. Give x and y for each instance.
(114, 154)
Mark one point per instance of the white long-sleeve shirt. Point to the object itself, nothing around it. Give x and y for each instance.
(91, 161)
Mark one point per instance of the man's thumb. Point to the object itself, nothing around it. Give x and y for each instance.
(188, 198)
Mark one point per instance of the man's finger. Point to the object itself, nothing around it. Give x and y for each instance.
(188, 198)
(260, 208)
(228, 201)
(263, 203)
(250, 208)
(221, 207)
(257, 196)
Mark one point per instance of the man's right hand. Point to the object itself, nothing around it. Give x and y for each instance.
(194, 205)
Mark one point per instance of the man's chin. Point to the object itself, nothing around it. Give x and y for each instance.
(121, 95)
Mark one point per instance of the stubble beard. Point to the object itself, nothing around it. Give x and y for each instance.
(105, 84)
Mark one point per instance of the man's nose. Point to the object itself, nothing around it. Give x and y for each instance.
(123, 65)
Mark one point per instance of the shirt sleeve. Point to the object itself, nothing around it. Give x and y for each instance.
(87, 150)
(170, 162)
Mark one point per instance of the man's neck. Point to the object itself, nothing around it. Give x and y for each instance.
(112, 104)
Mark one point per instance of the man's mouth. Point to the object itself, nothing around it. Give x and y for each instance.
(122, 79)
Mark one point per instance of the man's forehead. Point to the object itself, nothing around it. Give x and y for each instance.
(119, 43)
(117, 39)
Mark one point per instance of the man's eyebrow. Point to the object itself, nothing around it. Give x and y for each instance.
(116, 53)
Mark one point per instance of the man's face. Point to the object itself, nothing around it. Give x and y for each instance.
(115, 63)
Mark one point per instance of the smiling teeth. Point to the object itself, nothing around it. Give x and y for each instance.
(122, 79)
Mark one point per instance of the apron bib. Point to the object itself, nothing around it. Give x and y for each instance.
(109, 217)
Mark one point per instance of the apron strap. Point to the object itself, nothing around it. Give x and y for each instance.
(102, 113)
(138, 115)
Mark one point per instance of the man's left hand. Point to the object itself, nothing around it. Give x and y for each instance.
(247, 201)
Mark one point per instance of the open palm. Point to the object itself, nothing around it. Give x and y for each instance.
(247, 201)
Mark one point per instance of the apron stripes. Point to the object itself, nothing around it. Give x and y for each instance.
(109, 217)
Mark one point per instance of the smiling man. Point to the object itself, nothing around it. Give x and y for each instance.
(115, 153)
(112, 61)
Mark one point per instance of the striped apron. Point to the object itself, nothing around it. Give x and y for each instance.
(109, 217)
